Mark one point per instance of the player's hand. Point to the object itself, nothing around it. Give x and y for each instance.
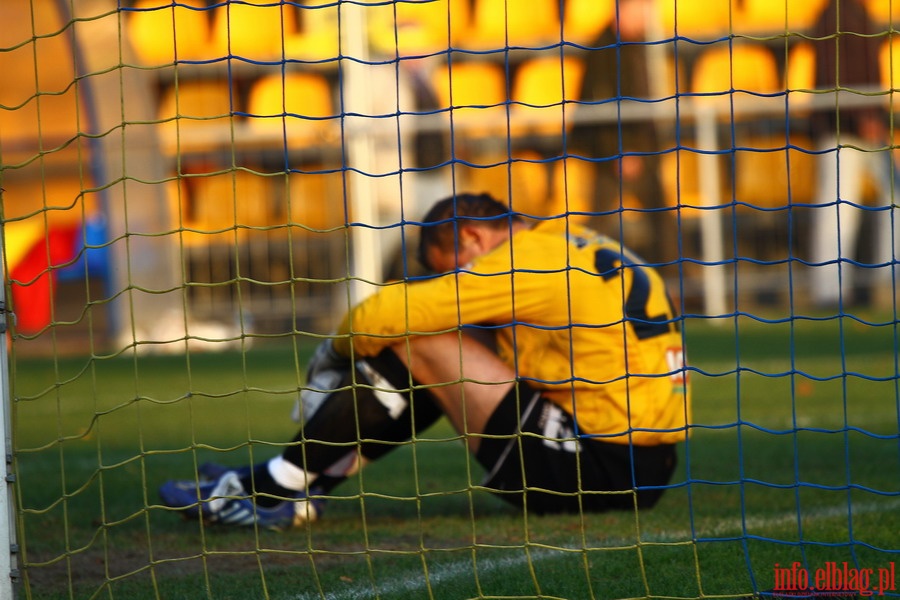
(323, 376)
(326, 358)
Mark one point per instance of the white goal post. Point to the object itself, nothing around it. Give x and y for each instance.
(9, 574)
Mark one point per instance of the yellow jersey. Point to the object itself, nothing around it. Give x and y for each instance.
(576, 316)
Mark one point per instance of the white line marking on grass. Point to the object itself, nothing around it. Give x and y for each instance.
(439, 573)
(750, 523)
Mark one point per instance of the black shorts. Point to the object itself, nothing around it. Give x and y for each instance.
(562, 472)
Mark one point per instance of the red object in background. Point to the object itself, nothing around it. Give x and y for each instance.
(33, 281)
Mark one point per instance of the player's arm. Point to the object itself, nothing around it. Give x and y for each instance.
(437, 305)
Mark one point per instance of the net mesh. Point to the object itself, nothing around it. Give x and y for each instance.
(195, 192)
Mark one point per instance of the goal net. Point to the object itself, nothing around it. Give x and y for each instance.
(195, 192)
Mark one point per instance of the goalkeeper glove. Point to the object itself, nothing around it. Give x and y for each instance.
(326, 358)
(323, 376)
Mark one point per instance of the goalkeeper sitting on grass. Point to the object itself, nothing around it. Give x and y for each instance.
(577, 406)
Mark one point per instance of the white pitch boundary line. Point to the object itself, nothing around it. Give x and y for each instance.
(439, 573)
(825, 512)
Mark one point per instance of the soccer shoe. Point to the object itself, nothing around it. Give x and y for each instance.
(189, 496)
(213, 471)
(225, 501)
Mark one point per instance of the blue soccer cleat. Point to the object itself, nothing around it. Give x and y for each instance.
(225, 501)
(189, 496)
(213, 471)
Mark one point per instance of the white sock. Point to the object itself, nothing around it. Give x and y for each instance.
(289, 475)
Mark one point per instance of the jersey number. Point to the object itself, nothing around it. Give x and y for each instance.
(610, 264)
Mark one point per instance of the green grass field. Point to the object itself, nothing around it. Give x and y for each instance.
(795, 456)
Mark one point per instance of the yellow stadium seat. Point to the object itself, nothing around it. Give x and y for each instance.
(748, 69)
(584, 20)
(252, 30)
(48, 197)
(315, 200)
(475, 92)
(214, 208)
(542, 88)
(408, 28)
(318, 37)
(768, 180)
(776, 16)
(889, 60)
(696, 19)
(42, 109)
(789, 174)
(529, 189)
(884, 12)
(889, 65)
(679, 172)
(572, 191)
(298, 105)
(499, 24)
(162, 33)
(192, 109)
(522, 182)
(800, 73)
